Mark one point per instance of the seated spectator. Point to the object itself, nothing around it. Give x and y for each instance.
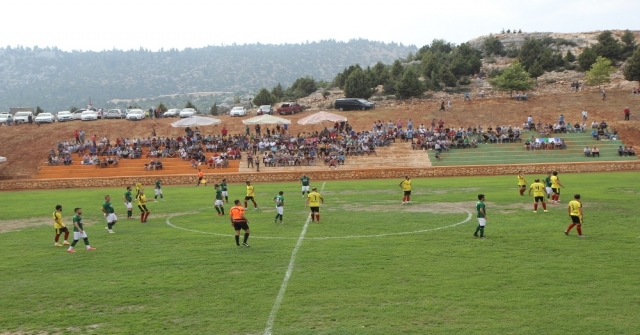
(67, 159)
(158, 165)
(587, 152)
(527, 145)
(594, 134)
(525, 96)
(631, 151)
(620, 151)
(595, 152)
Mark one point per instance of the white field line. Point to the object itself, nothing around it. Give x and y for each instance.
(287, 276)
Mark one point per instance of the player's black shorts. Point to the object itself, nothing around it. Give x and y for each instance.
(143, 208)
(61, 230)
(407, 192)
(536, 199)
(522, 186)
(315, 209)
(247, 198)
(556, 190)
(576, 219)
(237, 225)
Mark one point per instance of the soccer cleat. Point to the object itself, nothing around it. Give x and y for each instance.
(546, 211)
(66, 243)
(280, 222)
(483, 237)
(57, 244)
(255, 209)
(111, 231)
(475, 234)
(566, 233)
(245, 244)
(70, 250)
(581, 236)
(90, 249)
(535, 211)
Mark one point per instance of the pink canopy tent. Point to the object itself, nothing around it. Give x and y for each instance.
(320, 117)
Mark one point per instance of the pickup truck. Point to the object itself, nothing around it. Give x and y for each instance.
(289, 108)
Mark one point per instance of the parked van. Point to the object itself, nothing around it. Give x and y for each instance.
(346, 104)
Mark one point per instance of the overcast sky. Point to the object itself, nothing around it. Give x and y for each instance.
(120, 24)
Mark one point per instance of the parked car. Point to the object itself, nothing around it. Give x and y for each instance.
(64, 116)
(89, 115)
(136, 114)
(174, 112)
(289, 108)
(44, 118)
(346, 104)
(238, 111)
(264, 109)
(6, 116)
(22, 117)
(114, 114)
(187, 112)
(77, 114)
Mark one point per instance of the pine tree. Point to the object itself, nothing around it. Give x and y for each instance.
(190, 105)
(513, 78)
(162, 107)
(600, 71)
(447, 77)
(278, 92)
(214, 109)
(536, 70)
(632, 69)
(39, 110)
(587, 58)
(357, 85)
(264, 98)
(570, 57)
(410, 86)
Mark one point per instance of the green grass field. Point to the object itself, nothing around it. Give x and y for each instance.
(372, 266)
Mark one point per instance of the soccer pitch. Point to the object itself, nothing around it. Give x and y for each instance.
(371, 266)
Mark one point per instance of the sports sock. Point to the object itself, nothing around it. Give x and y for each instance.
(579, 228)
(66, 235)
(222, 210)
(246, 237)
(226, 199)
(86, 241)
(245, 204)
(161, 196)
(129, 214)
(477, 230)
(57, 238)
(481, 231)
(280, 217)
(155, 197)
(141, 217)
(318, 217)
(408, 198)
(73, 244)
(146, 215)
(570, 227)
(237, 239)
(535, 206)
(277, 216)
(218, 210)
(544, 206)
(109, 225)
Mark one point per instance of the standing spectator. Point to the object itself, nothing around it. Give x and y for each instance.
(76, 134)
(604, 94)
(94, 137)
(584, 115)
(410, 124)
(239, 221)
(82, 136)
(247, 130)
(257, 127)
(575, 213)
(466, 96)
(627, 113)
(482, 93)
(449, 103)
(30, 119)
(442, 106)
(78, 232)
(481, 210)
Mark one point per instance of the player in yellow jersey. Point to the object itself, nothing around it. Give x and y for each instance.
(539, 193)
(555, 187)
(522, 184)
(406, 188)
(251, 195)
(314, 199)
(60, 227)
(138, 187)
(575, 213)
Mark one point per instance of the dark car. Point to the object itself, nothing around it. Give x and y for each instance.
(114, 114)
(346, 104)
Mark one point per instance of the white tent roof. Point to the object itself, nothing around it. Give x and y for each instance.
(320, 117)
(266, 119)
(196, 121)
(3, 159)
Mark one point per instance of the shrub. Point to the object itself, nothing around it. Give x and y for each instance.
(494, 73)
(464, 80)
(559, 69)
(550, 81)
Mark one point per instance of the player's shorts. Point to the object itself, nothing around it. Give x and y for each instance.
(305, 188)
(225, 194)
(78, 235)
(280, 210)
(523, 185)
(129, 205)
(247, 198)
(61, 230)
(237, 225)
(218, 202)
(538, 199)
(158, 191)
(549, 190)
(576, 219)
(315, 209)
(143, 208)
(556, 190)
(111, 218)
(406, 193)
(482, 222)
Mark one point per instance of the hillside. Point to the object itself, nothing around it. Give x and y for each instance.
(56, 80)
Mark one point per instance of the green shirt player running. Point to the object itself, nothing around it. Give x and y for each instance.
(547, 185)
(305, 182)
(158, 190)
(224, 189)
(279, 200)
(481, 211)
(78, 231)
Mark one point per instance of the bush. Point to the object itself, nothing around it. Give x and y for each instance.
(428, 95)
(494, 73)
(570, 66)
(559, 69)
(550, 81)
(464, 80)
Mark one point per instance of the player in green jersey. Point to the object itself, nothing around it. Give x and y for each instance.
(158, 190)
(279, 200)
(78, 231)
(128, 198)
(224, 188)
(109, 213)
(218, 204)
(481, 210)
(305, 182)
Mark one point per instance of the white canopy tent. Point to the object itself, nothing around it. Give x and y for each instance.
(320, 117)
(196, 121)
(3, 159)
(266, 119)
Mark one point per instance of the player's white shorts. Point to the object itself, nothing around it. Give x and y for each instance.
(280, 210)
(158, 191)
(482, 222)
(129, 205)
(305, 188)
(112, 218)
(78, 235)
(225, 194)
(219, 202)
(549, 190)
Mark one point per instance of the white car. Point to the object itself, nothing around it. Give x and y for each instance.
(45, 118)
(22, 117)
(187, 112)
(64, 116)
(238, 111)
(171, 113)
(135, 114)
(88, 115)
(6, 116)
(77, 114)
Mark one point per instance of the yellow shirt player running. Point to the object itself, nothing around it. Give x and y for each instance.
(138, 187)
(251, 195)
(406, 188)
(60, 227)
(555, 187)
(575, 213)
(522, 184)
(539, 193)
(314, 199)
